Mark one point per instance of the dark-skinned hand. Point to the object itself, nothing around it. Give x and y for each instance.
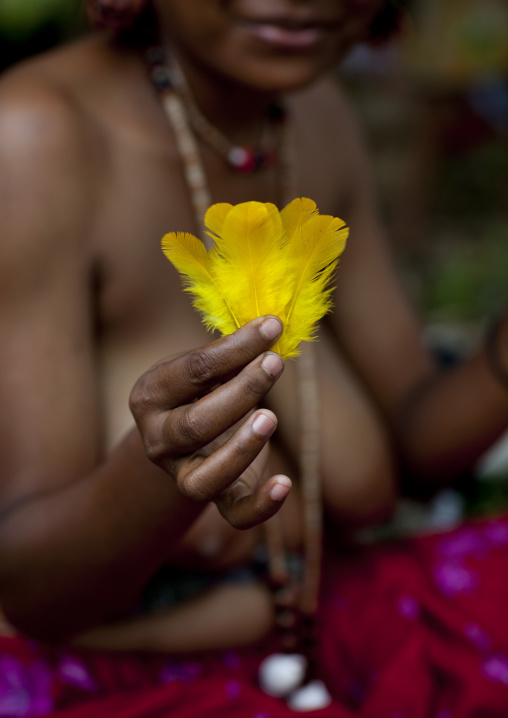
(196, 413)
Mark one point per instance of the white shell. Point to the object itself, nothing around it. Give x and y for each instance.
(281, 673)
(310, 698)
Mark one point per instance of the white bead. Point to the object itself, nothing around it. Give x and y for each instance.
(310, 698)
(281, 673)
(237, 156)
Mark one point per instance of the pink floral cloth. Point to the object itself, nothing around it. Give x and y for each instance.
(413, 629)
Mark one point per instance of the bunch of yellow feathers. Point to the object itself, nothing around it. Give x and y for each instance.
(262, 262)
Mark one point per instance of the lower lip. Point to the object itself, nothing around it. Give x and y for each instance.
(285, 39)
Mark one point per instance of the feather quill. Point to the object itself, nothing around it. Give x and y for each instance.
(263, 262)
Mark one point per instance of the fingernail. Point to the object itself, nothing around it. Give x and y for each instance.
(279, 491)
(272, 364)
(271, 328)
(263, 425)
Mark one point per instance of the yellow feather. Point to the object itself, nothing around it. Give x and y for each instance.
(263, 262)
(189, 256)
(313, 255)
(295, 214)
(252, 265)
(214, 218)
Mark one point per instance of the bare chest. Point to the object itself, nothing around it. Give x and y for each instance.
(143, 314)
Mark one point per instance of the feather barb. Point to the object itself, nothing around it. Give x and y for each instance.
(263, 262)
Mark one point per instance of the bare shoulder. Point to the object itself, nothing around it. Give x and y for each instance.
(53, 144)
(40, 110)
(45, 145)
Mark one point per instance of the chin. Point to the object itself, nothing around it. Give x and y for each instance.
(282, 76)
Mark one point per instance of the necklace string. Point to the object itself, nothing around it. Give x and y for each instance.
(177, 112)
(239, 157)
(174, 108)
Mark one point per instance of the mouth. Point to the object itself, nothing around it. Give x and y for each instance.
(289, 34)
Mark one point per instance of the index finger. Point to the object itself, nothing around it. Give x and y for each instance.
(181, 379)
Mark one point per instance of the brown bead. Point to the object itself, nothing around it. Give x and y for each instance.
(286, 597)
(286, 619)
(290, 641)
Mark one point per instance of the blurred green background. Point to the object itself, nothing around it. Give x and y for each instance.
(30, 26)
(434, 104)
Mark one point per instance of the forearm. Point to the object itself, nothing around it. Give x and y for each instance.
(454, 417)
(71, 557)
(74, 557)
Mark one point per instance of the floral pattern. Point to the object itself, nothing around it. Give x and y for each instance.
(25, 689)
(390, 621)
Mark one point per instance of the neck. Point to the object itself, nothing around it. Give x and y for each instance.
(238, 111)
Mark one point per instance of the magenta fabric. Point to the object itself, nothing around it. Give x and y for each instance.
(413, 629)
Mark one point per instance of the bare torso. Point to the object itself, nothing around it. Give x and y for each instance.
(142, 314)
(90, 181)
(108, 153)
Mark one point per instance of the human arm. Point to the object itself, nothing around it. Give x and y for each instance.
(441, 421)
(80, 552)
(82, 529)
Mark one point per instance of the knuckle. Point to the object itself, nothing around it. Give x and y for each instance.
(201, 367)
(147, 396)
(246, 452)
(158, 445)
(153, 450)
(192, 488)
(187, 427)
(155, 447)
(140, 399)
(256, 384)
(233, 504)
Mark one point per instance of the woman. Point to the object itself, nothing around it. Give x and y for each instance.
(94, 171)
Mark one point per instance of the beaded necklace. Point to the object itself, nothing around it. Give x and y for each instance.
(187, 121)
(240, 158)
(296, 619)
